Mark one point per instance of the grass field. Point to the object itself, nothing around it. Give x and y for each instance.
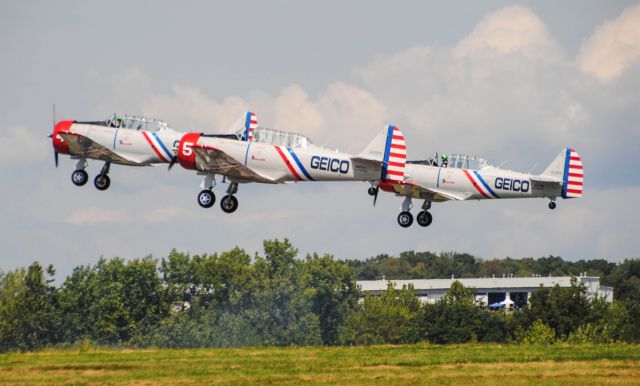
(416, 364)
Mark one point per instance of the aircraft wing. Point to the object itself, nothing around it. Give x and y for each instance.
(85, 147)
(212, 160)
(546, 180)
(436, 195)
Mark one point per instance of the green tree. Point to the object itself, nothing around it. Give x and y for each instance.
(29, 316)
(563, 309)
(334, 294)
(393, 317)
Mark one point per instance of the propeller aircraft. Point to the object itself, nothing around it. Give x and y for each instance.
(119, 139)
(250, 153)
(460, 177)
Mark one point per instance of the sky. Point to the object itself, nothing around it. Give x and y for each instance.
(512, 82)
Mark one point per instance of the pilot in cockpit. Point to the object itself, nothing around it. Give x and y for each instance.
(445, 161)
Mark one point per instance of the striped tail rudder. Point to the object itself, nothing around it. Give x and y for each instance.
(250, 124)
(395, 156)
(572, 180)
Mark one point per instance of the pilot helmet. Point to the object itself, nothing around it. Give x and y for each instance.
(444, 157)
(120, 118)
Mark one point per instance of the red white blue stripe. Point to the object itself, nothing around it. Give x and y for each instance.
(293, 163)
(480, 184)
(157, 146)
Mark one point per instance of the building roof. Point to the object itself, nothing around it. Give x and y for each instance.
(478, 283)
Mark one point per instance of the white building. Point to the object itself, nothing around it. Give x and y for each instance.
(488, 290)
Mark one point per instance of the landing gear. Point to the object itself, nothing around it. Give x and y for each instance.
(79, 177)
(552, 205)
(206, 198)
(424, 218)
(405, 219)
(102, 182)
(372, 191)
(229, 203)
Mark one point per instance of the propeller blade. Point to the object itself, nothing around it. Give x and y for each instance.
(173, 161)
(55, 157)
(375, 196)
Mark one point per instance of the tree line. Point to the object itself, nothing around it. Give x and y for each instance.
(233, 299)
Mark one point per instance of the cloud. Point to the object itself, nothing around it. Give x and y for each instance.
(613, 47)
(514, 29)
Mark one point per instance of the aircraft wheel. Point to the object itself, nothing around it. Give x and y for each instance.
(229, 204)
(405, 219)
(79, 177)
(372, 191)
(424, 218)
(102, 182)
(206, 198)
(552, 205)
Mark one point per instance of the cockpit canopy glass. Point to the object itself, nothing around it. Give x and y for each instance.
(458, 161)
(280, 138)
(133, 122)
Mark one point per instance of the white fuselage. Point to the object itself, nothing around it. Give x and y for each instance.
(487, 183)
(142, 146)
(286, 164)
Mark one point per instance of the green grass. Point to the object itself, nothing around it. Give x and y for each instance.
(415, 364)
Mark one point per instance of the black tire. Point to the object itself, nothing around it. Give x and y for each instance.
(229, 204)
(405, 219)
(206, 198)
(79, 177)
(372, 191)
(424, 218)
(552, 205)
(102, 182)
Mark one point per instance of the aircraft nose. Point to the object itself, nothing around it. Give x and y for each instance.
(58, 142)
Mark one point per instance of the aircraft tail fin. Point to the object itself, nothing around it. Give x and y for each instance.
(389, 148)
(567, 167)
(245, 126)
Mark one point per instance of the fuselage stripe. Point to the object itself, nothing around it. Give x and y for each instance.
(288, 163)
(295, 158)
(166, 151)
(485, 184)
(474, 183)
(144, 134)
(246, 155)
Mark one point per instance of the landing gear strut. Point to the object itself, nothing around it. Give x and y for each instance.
(102, 180)
(79, 177)
(405, 218)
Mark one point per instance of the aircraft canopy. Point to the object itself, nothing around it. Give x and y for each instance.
(459, 161)
(280, 138)
(133, 122)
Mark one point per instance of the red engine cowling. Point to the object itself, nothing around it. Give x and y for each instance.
(387, 186)
(186, 156)
(58, 143)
